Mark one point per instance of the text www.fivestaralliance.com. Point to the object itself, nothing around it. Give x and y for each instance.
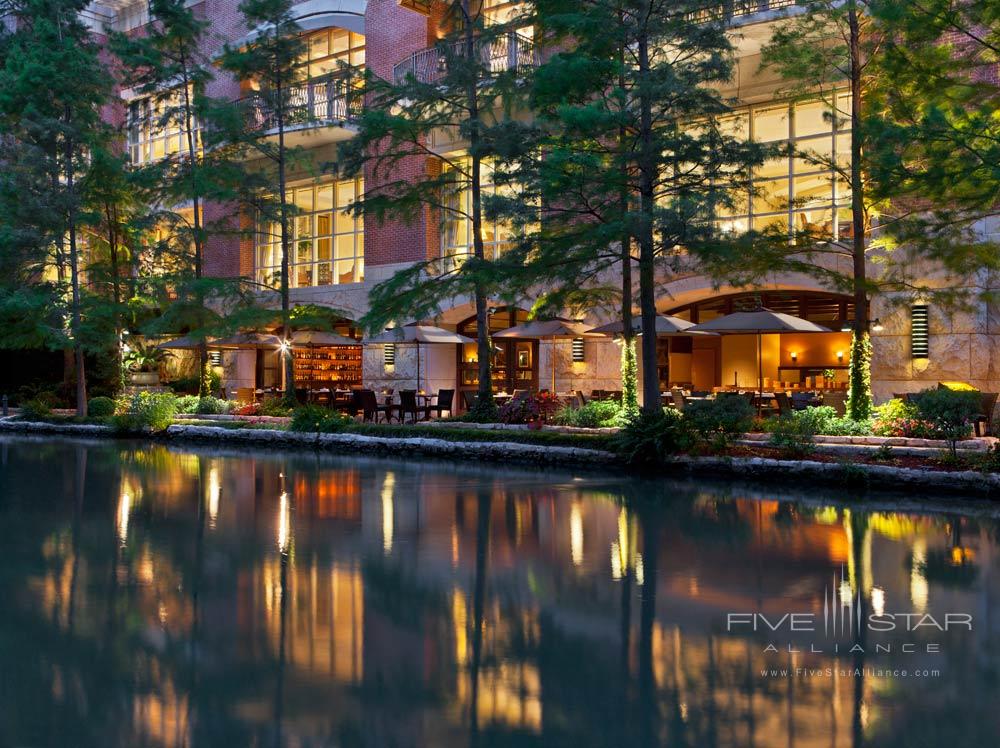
(867, 672)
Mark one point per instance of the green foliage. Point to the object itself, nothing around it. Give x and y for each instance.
(630, 381)
(145, 357)
(101, 407)
(720, 420)
(859, 398)
(274, 407)
(593, 415)
(317, 419)
(652, 439)
(212, 406)
(144, 411)
(793, 437)
(950, 411)
(583, 441)
(35, 410)
(187, 404)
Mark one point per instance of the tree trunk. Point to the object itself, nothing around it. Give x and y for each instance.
(484, 401)
(287, 362)
(74, 268)
(630, 400)
(860, 399)
(647, 250)
(204, 374)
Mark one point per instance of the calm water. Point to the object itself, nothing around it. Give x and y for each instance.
(154, 596)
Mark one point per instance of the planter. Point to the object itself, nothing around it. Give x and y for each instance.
(146, 378)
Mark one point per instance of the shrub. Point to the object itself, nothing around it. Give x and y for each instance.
(212, 406)
(595, 414)
(793, 437)
(145, 411)
(720, 420)
(650, 440)
(35, 410)
(101, 407)
(187, 403)
(316, 419)
(274, 406)
(537, 407)
(248, 409)
(900, 418)
(950, 411)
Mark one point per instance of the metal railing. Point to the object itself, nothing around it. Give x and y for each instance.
(327, 100)
(730, 9)
(510, 51)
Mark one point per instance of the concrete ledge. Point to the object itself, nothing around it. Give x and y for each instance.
(492, 451)
(36, 427)
(516, 427)
(969, 445)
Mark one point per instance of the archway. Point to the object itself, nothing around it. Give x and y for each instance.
(515, 362)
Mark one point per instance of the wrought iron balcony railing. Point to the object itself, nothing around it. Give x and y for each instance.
(321, 101)
(510, 51)
(730, 10)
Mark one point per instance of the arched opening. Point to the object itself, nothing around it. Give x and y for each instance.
(703, 363)
(515, 362)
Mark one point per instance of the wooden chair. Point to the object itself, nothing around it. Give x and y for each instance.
(469, 399)
(836, 400)
(784, 404)
(443, 403)
(985, 419)
(407, 406)
(679, 400)
(370, 408)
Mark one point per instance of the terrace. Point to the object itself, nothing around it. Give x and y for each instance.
(510, 51)
(323, 102)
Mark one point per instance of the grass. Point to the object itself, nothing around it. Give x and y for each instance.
(543, 438)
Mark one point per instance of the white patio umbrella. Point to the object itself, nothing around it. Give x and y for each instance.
(760, 321)
(248, 341)
(548, 329)
(418, 335)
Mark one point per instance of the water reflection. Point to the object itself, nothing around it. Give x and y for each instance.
(197, 598)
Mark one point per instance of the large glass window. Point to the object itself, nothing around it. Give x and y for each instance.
(456, 234)
(155, 129)
(328, 50)
(800, 192)
(327, 243)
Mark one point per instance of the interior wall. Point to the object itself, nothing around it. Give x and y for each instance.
(739, 359)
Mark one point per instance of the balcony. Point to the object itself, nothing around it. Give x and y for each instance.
(734, 11)
(511, 51)
(319, 104)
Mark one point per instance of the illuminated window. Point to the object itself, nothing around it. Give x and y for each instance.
(156, 129)
(800, 192)
(328, 50)
(327, 241)
(456, 234)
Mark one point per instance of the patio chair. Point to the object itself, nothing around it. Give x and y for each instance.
(837, 400)
(407, 406)
(597, 395)
(801, 400)
(443, 403)
(469, 399)
(518, 394)
(370, 408)
(245, 395)
(582, 398)
(784, 403)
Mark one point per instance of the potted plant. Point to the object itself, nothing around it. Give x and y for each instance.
(829, 375)
(143, 362)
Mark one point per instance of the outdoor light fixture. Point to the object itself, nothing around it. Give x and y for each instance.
(578, 356)
(389, 355)
(840, 356)
(919, 331)
(795, 356)
(846, 327)
(283, 346)
(215, 358)
(877, 325)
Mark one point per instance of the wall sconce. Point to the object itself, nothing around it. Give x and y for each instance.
(795, 356)
(578, 351)
(840, 357)
(877, 325)
(919, 331)
(215, 358)
(846, 326)
(389, 355)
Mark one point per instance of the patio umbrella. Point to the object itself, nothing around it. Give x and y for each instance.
(248, 341)
(419, 334)
(183, 343)
(666, 326)
(759, 321)
(547, 329)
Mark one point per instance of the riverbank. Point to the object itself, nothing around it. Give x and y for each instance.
(502, 448)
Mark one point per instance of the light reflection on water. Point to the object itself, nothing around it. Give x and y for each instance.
(162, 597)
